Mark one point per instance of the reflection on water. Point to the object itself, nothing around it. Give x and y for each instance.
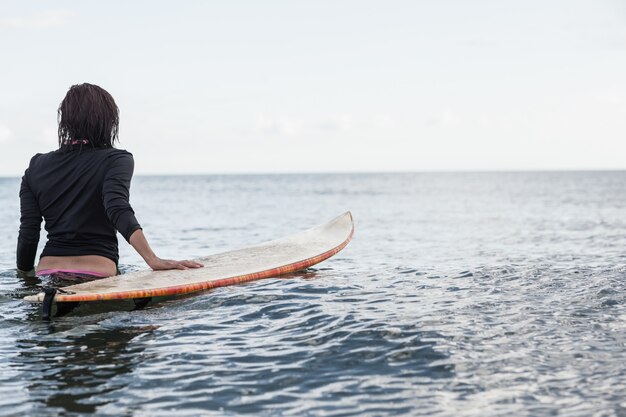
(70, 368)
(461, 294)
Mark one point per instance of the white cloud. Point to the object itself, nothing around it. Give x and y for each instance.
(281, 125)
(341, 123)
(383, 121)
(5, 133)
(49, 19)
(445, 118)
(485, 121)
(278, 125)
(613, 98)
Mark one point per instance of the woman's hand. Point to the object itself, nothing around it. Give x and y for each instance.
(140, 243)
(159, 264)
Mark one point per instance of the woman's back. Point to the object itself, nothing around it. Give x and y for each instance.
(83, 197)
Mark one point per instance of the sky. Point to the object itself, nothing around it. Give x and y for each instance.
(325, 86)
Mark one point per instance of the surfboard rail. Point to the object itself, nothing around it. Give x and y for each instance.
(339, 233)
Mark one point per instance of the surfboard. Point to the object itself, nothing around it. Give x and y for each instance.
(266, 260)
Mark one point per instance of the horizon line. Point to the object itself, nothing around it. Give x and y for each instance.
(373, 172)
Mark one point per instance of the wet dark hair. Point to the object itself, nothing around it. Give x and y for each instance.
(87, 116)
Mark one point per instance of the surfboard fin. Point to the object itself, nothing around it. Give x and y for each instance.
(141, 303)
(46, 306)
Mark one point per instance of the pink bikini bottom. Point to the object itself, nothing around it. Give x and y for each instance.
(67, 273)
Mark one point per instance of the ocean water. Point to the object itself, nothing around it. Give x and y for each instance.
(481, 294)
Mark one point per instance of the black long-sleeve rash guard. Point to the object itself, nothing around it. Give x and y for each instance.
(83, 196)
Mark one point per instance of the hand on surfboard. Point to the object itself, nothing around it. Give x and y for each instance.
(140, 243)
(159, 264)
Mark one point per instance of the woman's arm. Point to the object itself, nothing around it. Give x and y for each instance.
(116, 193)
(30, 227)
(115, 197)
(140, 243)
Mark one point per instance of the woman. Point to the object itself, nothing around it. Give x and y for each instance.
(82, 191)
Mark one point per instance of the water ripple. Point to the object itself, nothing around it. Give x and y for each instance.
(461, 295)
